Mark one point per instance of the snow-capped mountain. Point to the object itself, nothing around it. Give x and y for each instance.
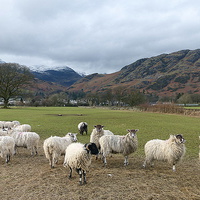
(42, 68)
(61, 75)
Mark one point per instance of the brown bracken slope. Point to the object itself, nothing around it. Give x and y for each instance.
(166, 74)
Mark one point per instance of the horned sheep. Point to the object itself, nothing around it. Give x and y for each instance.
(78, 156)
(7, 145)
(125, 144)
(171, 150)
(83, 127)
(55, 146)
(27, 140)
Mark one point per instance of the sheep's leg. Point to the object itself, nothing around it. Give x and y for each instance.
(104, 160)
(79, 171)
(125, 160)
(7, 158)
(52, 161)
(70, 172)
(84, 177)
(15, 150)
(144, 164)
(32, 151)
(174, 168)
(36, 152)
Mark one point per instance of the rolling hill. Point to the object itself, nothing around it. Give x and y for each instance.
(165, 74)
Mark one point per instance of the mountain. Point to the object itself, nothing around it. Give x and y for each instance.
(165, 74)
(1, 61)
(64, 76)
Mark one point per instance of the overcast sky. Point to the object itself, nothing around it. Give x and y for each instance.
(95, 35)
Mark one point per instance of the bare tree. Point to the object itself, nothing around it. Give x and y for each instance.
(12, 78)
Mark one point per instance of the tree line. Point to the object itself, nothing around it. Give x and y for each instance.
(14, 78)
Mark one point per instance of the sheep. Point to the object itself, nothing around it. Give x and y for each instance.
(78, 156)
(23, 128)
(27, 140)
(8, 125)
(7, 145)
(199, 149)
(2, 124)
(55, 146)
(98, 132)
(125, 145)
(3, 132)
(16, 122)
(171, 150)
(83, 127)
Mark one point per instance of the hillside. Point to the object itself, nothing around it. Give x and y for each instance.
(63, 77)
(165, 74)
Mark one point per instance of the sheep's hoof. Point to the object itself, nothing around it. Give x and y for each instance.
(69, 177)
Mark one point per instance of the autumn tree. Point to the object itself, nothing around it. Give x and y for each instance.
(12, 78)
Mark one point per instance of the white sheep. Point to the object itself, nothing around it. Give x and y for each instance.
(16, 122)
(171, 150)
(199, 149)
(27, 140)
(7, 145)
(83, 127)
(78, 156)
(2, 124)
(98, 132)
(124, 145)
(22, 128)
(55, 146)
(8, 125)
(3, 132)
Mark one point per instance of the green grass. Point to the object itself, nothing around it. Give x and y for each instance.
(46, 122)
(195, 107)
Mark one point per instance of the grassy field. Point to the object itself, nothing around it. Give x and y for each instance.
(27, 177)
(47, 121)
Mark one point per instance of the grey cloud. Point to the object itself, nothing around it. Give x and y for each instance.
(95, 36)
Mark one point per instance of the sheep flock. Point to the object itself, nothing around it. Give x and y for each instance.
(78, 156)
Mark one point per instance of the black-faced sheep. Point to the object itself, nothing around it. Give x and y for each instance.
(171, 150)
(55, 146)
(78, 156)
(83, 127)
(125, 144)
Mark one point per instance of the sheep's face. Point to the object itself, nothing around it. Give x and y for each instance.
(99, 128)
(132, 132)
(92, 147)
(179, 139)
(73, 136)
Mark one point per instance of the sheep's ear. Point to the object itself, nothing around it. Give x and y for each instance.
(95, 126)
(173, 137)
(87, 146)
